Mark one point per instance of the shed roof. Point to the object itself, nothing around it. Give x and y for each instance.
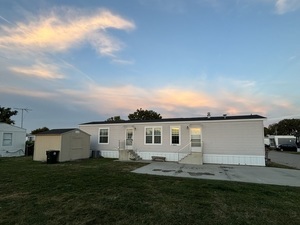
(57, 131)
(212, 118)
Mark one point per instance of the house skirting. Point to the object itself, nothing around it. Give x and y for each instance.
(175, 157)
(110, 154)
(12, 153)
(251, 160)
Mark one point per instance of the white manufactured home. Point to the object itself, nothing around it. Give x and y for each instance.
(12, 140)
(235, 140)
(276, 140)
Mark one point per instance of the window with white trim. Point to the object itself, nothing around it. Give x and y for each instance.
(103, 135)
(7, 139)
(175, 135)
(153, 135)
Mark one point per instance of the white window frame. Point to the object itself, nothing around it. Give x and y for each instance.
(103, 128)
(5, 139)
(177, 127)
(161, 135)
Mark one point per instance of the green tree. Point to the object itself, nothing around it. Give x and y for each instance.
(39, 130)
(141, 114)
(272, 129)
(266, 131)
(285, 127)
(114, 119)
(6, 113)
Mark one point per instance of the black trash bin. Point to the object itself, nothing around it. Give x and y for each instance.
(52, 156)
(95, 154)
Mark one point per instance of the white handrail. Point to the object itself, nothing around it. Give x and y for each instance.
(189, 150)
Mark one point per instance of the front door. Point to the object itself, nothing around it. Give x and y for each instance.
(129, 138)
(196, 142)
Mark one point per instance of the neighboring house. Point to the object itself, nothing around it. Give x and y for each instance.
(276, 140)
(267, 141)
(72, 144)
(235, 140)
(12, 140)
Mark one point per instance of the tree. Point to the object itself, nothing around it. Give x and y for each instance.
(266, 131)
(141, 114)
(285, 127)
(39, 130)
(6, 113)
(114, 119)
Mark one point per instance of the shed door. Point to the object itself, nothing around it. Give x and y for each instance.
(129, 138)
(196, 143)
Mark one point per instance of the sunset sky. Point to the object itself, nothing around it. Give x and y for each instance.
(72, 61)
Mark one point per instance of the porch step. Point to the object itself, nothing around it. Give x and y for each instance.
(133, 155)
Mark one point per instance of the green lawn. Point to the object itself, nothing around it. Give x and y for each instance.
(103, 191)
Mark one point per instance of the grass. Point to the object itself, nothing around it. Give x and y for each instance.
(103, 191)
(277, 165)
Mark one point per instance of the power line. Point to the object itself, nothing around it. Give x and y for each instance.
(23, 109)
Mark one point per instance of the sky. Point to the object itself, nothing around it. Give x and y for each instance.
(76, 61)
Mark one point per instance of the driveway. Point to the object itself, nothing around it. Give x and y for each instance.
(250, 174)
(285, 158)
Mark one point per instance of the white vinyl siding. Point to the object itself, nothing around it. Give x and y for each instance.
(7, 139)
(233, 138)
(175, 136)
(153, 135)
(226, 139)
(103, 135)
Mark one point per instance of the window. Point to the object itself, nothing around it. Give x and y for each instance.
(103, 135)
(153, 135)
(149, 135)
(175, 135)
(7, 139)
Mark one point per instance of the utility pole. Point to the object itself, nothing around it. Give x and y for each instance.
(23, 109)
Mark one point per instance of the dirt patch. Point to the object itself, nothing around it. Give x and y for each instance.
(165, 171)
(200, 174)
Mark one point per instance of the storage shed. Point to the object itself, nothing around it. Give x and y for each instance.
(72, 144)
(12, 140)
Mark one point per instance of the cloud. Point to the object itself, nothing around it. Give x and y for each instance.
(123, 62)
(284, 6)
(66, 28)
(238, 97)
(39, 70)
(11, 90)
(281, 6)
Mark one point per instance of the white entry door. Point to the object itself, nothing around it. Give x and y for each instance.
(196, 142)
(129, 138)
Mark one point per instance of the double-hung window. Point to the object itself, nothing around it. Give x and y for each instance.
(103, 135)
(153, 135)
(7, 139)
(175, 135)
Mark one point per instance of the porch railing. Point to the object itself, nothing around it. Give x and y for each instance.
(184, 150)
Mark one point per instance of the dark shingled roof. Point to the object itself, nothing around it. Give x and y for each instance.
(56, 131)
(212, 118)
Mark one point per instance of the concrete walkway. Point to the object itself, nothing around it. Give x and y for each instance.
(250, 174)
(285, 158)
